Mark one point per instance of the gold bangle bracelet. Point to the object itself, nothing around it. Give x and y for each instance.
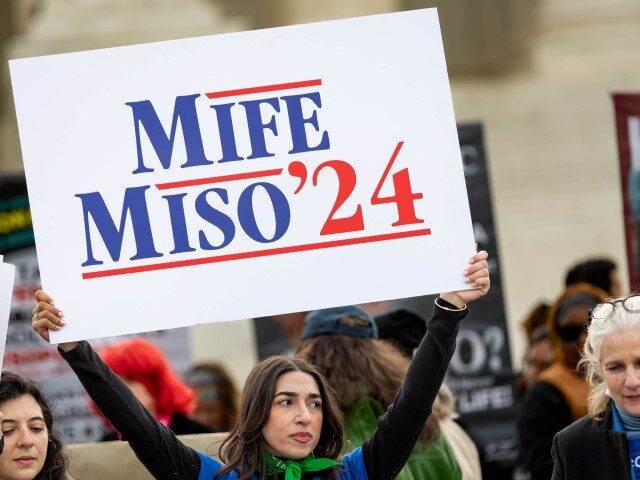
(447, 308)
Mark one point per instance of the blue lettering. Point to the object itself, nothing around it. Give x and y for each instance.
(257, 126)
(227, 136)
(297, 123)
(247, 217)
(134, 204)
(215, 217)
(185, 111)
(178, 224)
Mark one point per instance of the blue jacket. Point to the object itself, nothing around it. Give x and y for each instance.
(352, 468)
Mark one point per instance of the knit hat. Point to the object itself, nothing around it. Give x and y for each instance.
(327, 322)
(402, 326)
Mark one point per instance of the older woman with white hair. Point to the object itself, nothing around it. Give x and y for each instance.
(606, 443)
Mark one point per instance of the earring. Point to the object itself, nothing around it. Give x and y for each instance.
(607, 392)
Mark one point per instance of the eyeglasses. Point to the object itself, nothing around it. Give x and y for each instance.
(604, 310)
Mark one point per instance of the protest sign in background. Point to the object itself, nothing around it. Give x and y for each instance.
(480, 373)
(7, 275)
(27, 354)
(15, 217)
(627, 111)
(242, 175)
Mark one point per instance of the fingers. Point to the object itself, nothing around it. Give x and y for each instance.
(41, 296)
(46, 316)
(479, 267)
(483, 284)
(47, 310)
(481, 255)
(476, 267)
(477, 274)
(477, 278)
(46, 324)
(50, 317)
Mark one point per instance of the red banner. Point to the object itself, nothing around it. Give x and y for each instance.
(627, 107)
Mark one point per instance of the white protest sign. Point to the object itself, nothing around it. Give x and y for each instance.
(7, 275)
(244, 175)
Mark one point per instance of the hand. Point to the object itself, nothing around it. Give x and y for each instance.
(477, 275)
(47, 317)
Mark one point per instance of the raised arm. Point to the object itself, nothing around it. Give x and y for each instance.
(154, 444)
(388, 449)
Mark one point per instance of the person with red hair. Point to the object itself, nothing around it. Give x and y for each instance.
(150, 377)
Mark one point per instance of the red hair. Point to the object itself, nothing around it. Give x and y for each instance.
(141, 361)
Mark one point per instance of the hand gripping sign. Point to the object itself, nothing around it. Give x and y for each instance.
(244, 175)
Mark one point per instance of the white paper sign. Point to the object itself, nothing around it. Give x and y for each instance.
(7, 275)
(243, 175)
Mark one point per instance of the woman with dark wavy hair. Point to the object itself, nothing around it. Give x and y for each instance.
(258, 426)
(289, 426)
(30, 448)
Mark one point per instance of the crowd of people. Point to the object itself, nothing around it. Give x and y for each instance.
(555, 388)
(360, 398)
(291, 421)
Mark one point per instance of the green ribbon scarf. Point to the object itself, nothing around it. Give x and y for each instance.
(293, 469)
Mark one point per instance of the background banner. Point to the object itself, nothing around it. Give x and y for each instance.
(7, 274)
(27, 354)
(627, 110)
(480, 373)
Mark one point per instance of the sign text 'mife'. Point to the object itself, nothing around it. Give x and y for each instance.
(212, 203)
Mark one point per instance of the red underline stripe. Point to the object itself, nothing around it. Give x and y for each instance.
(256, 254)
(222, 178)
(264, 88)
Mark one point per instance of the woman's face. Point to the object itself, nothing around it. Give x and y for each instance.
(540, 355)
(141, 393)
(620, 368)
(212, 413)
(295, 421)
(25, 439)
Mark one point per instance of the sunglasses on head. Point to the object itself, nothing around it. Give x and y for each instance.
(605, 309)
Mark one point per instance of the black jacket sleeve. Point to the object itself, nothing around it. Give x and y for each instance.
(391, 444)
(155, 445)
(544, 413)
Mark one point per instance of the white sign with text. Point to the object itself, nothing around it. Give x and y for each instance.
(243, 175)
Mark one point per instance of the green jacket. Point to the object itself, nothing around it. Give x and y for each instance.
(435, 461)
